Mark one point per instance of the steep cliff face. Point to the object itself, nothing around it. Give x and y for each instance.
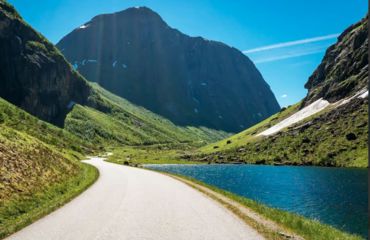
(190, 80)
(344, 69)
(33, 74)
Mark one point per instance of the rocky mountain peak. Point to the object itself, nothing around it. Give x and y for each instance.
(189, 80)
(344, 68)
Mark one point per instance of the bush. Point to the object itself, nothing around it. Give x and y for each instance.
(2, 118)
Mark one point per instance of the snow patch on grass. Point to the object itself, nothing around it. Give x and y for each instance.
(363, 93)
(309, 110)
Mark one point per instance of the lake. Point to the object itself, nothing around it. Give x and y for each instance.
(335, 196)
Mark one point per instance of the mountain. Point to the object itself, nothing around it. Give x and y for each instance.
(189, 80)
(344, 69)
(35, 76)
(329, 127)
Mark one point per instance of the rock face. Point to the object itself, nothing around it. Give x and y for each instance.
(344, 69)
(33, 74)
(190, 80)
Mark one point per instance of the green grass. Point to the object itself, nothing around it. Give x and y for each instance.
(17, 119)
(306, 228)
(245, 136)
(39, 166)
(155, 154)
(23, 210)
(323, 142)
(115, 121)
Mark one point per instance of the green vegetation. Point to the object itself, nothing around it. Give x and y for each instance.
(154, 154)
(120, 122)
(57, 138)
(23, 210)
(245, 136)
(39, 168)
(292, 223)
(333, 137)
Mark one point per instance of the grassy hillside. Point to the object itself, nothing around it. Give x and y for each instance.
(336, 136)
(39, 168)
(119, 122)
(245, 136)
(17, 119)
(333, 137)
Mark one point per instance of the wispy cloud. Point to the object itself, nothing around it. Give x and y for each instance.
(292, 43)
(289, 55)
(284, 96)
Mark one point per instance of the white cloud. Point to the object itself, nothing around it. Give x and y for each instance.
(284, 96)
(292, 43)
(304, 52)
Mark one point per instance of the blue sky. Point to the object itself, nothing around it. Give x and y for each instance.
(286, 39)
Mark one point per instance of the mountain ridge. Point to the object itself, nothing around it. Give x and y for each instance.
(33, 73)
(344, 68)
(189, 80)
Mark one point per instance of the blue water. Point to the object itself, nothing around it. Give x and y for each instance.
(335, 196)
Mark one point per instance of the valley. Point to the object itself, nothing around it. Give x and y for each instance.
(198, 110)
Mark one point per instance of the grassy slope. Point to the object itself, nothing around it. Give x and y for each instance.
(39, 168)
(245, 136)
(154, 154)
(121, 122)
(322, 142)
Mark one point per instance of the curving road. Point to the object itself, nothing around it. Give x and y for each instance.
(131, 203)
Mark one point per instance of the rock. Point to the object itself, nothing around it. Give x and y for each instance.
(306, 140)
(186, 156)
(241, 150)
(344, 68)
(34, 75)
(261, 161)
(203, 159)
(303, 127)
(351, 136)
(305, 152)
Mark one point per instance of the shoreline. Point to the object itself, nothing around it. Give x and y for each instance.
(272, 223)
